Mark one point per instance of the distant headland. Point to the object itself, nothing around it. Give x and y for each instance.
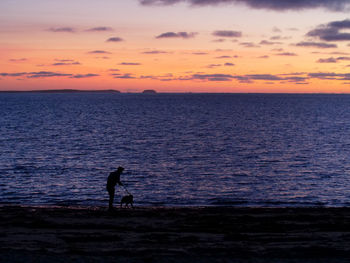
(149, 91)
(63, 91)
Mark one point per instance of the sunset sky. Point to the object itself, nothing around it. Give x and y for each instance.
(176, 45)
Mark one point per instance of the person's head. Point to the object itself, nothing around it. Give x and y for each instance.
(120, 169)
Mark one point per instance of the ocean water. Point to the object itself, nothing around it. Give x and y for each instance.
(177, 149)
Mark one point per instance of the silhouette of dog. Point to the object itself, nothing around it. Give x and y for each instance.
(127, 199)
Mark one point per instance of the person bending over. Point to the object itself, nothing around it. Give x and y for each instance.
(112, 181)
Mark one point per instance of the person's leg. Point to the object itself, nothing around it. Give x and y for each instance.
(111, 198)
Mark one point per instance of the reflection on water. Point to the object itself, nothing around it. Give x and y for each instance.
(178, 149)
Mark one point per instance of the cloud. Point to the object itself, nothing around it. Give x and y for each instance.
(276, 30)
(81, 76)
(316, 45)
(200, 53)
(100, 29)
(153, 52)
(130, 63)
(213, 77)
(331, 31)
(99, 52)
(66, 63)
(214, 65)
(18, 59)
(46, 74)
(330, 76)
(333, 60)
(277, 49)
(64, 60)
(166, 77)
(62, 29)
(327, 60)
(296, 78)
(124, 76)
(184, 35)
(265, 56)
(227, 33)
(228, 64)
(266, 42)
(114, 39)
(221, 57)
(220, 40)
(248, 44)
(17, 74)
(288, 54)
(264, 77)
(277, 5)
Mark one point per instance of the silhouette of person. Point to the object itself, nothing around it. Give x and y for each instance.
(113, 179)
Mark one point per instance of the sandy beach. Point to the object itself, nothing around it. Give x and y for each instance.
(209, 234)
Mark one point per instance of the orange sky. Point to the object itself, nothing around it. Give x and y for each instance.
(131, 46)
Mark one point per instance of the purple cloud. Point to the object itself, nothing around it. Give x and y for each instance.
(62, 30)
(17, 74)
(46, 74)
(248, 44)
(130, 64)
(227, 33)
(277, 5)
(333, 60)
(287, 54)
(81, 76)
(214, 65)
(99, 52)
(200, 53)
(327, 60)
(266, 42)
(331, 31)
(100, 29)
(114, 39)
(213, 77)
(264, 77)
(18, 59)
(316, 45)
(66, 63)
(184, 35)
(153, 52)
(223, 57)
(125, 76)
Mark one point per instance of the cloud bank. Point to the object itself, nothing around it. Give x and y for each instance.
(276, 5)
(332, 31)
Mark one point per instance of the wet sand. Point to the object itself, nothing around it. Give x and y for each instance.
(212, 234)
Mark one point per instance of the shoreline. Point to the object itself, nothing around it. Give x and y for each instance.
(177, 234)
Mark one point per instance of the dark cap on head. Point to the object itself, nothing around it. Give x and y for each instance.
(120, 168)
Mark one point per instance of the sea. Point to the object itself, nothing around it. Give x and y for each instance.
(245, 150)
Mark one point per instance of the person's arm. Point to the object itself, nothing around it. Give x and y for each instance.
(120, 183)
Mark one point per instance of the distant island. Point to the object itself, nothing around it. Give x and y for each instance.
(149, 91)
(64, 91)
